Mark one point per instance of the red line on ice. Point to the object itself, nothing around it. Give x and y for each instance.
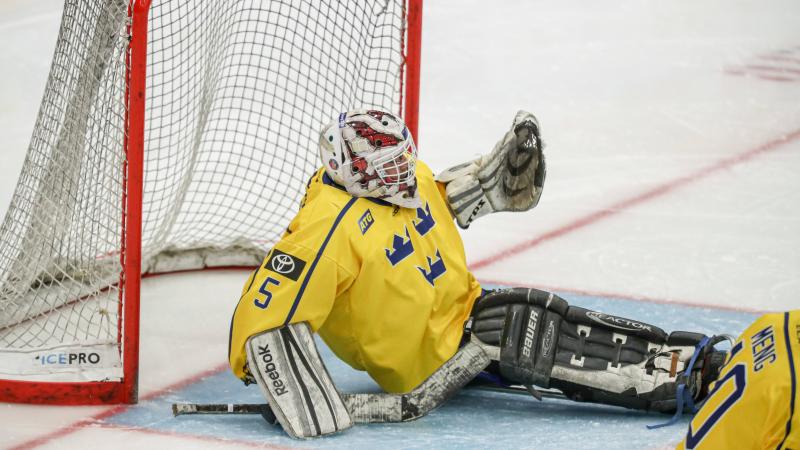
(111, 411)
(776, 78)
(658, 191)
(756, 67)
(195, 437)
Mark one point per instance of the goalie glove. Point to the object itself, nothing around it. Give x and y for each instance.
(510, 178)
(591, 356)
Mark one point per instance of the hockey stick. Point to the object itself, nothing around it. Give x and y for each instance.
(179, 409)
(450, 378)
(445, 382)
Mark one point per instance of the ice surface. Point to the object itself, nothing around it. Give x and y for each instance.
(673, 146)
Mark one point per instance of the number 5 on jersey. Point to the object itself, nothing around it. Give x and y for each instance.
(264, 289)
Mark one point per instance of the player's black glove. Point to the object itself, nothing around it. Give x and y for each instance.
(591, 356)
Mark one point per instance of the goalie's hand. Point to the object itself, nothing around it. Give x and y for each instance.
(510, 178)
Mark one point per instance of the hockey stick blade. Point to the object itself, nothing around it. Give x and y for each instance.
(179, 409)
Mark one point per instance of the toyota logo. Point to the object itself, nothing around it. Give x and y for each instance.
(282, 263)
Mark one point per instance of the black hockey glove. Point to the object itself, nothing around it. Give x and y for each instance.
(591, 356)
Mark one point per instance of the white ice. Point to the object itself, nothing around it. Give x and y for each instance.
(673, 150)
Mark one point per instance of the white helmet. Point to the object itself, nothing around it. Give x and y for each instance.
(371, 154)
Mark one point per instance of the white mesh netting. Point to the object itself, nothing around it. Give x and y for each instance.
(236, 94)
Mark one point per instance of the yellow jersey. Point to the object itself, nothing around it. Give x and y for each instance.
(387, 288)
(754, 403)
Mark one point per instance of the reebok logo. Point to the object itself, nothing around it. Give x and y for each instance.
(271, 371)
(530, 334)
(617, 322)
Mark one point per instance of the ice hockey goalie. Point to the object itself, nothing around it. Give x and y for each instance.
(373, 262)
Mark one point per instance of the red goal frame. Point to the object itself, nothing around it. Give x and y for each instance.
(126, 390)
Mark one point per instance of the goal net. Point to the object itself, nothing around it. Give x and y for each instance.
(208, 172)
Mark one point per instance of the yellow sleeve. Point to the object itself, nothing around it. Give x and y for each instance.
(297, 282)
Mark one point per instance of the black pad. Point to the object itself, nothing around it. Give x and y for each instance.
(525, 324)
(537, 329)
(545, 342)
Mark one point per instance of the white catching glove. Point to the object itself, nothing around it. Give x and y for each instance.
(510, 178)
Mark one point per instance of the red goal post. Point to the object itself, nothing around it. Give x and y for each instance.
(154, 123)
